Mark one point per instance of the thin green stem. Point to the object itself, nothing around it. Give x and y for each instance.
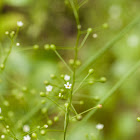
(56, 103)
(10, 49)
(74, 109)
(74, 69)
(85, 111)
(12, 135)
(29, 48)
(81, 83)
(84, 40)
(64, 48)
(82, 3)
(73, 83)
(63, 61)
(74, 11)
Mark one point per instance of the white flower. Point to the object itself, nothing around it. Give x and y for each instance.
(7, 33)
(26, 128)
(60, 95)
(2, 136)
(49, 88)
(95, 35)
(19, 23)
(68, 85)
(27, 137)
(17, 44)
(99, 126)
(0, 110)
(45, 126)
(66, 77)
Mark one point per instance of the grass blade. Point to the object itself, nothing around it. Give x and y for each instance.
(110, 44)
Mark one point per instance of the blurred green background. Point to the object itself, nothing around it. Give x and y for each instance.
(52, 21)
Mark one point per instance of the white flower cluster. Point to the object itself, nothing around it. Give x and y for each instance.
(49, 88)
(26, 128)
(99, 126)
(2, 136)
(66, 77)
(68, 85)
(19, 23)
(27, 137)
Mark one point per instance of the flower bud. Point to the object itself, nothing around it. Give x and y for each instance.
(73, 119)
(96, 98)
(79, 117)
(35, 47)
(7, 126)
(90, 82)
(49, 122)
(78, 62)
(138, 119)
(1, 118)
(91, 71)
(2, 66)
(102, 79)
(34, 135)
(99, 106)
(45, 126)
(71, 61)
(46, 47)
(105, 25)
(12, 34)
(52, 47)
(66, 105)
(89, 30)
(42, 94)
(7, 32)
(43, 132)
(56, 118)
(52, 76)
(81, 102)
(38, 127)
(44, 110)
(46, 82)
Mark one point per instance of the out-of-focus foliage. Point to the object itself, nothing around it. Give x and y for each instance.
(52, 21)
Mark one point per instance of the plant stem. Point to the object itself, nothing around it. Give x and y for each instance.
(85, 111)
(63, 61)
(66, 122)
(81, 83)
(56, 103)
(84, 40)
